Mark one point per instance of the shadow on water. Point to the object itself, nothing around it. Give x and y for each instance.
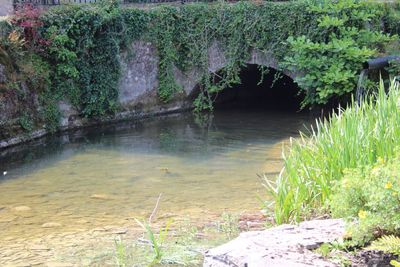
(180, 134)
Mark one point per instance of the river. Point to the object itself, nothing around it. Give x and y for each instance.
(103, 177)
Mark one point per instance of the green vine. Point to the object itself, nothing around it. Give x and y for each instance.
(325, 41)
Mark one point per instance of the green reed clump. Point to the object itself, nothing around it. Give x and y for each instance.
(355, 136)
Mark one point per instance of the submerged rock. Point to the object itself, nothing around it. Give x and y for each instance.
(22, 208)
(285, 245)
(100, 196)
(51, 225)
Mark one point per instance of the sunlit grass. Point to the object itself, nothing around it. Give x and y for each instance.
(355, 136)
(181, 245)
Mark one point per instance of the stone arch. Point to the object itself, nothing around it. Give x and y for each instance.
(217, 61)
(138, 90)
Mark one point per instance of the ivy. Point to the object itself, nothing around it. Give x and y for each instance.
(84, 52)
(326, 41)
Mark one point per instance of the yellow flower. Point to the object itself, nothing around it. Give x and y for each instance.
(388, 185)
(380, 160)
(362, 214)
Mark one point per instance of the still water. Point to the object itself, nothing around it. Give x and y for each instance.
(101, 176)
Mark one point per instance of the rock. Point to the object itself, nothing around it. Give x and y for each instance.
(69, 115)
(7, 218)
(20, 264)
(22, 208)
(100, 196)
(58, 264)
(39, 247)
(3, 77)
(285, 245)
(51, 225)
(99, 229)
(120, 231)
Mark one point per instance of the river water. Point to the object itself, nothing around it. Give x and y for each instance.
(106, 175)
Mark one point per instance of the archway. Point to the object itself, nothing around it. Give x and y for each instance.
(271, 91)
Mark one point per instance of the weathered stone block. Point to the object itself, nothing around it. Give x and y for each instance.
(3, 77)
(6, 7)
(285, 245)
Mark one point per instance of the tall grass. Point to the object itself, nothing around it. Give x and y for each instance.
(355, 136)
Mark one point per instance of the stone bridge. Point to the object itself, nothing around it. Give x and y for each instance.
(138, 89)
(139, 80)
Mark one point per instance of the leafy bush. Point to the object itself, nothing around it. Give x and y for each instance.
(331, 62)
(354, 137)
(371, 194)
(389, 243)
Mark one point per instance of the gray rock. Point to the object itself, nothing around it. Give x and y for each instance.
(3, 77)
(285, 245)
(69, 115)
(6, 7)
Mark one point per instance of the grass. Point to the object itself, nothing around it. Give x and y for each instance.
(353, 137)
(177, 244)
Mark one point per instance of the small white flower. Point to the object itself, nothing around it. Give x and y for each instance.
(4, 173)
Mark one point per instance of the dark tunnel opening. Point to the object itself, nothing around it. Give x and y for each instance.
(281, 94)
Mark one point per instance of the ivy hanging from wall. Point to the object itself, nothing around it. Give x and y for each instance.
(323, 40)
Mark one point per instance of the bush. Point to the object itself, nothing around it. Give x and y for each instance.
(332, 61)
(371, 195)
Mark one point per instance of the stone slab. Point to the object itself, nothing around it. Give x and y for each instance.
(285, 245)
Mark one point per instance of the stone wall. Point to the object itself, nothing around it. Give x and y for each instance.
(139, 83)
(138, 91)
(6, 7)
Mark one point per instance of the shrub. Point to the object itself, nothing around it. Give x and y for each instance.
(332, 61)
(370, 195)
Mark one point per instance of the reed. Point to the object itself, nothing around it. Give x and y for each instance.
(355, 136)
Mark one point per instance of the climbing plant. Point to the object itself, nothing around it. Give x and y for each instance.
(331, 62)
(324, 40)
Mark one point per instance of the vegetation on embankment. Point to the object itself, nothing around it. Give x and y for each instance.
(73, 52)
(348, 167)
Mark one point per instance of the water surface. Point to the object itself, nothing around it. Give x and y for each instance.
(103, 176)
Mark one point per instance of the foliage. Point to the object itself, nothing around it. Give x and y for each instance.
(120, 251)
(27, 20)
(183, 246)
(388, 243)
(394, 69)
(82, 45)
(370, 194)
(229, 225)
(392, 17)
(354, 137)
(185, 36)
(156, 242)
(84, 54)
(26, 122)
(331, 62)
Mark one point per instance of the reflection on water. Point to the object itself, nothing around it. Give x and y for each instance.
(105, 175)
